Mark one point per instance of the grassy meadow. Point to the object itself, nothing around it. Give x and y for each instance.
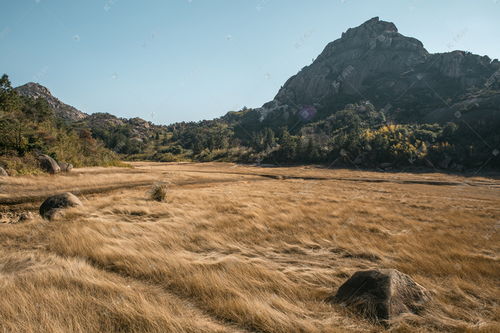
(244, 249)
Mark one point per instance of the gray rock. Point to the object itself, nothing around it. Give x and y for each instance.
(48, 164)
(382, 294)
(54, 204)
(65, 167)
(3, 173)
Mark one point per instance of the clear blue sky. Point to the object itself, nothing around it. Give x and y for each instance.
(174, 60)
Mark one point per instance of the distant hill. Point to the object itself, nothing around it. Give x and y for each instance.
(125, 136)
(62, 110)
(120, 134)
(34, 123)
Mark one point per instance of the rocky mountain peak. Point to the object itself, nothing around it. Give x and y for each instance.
(377, 63)
(372, 27)
(62, 110)
(34, 90)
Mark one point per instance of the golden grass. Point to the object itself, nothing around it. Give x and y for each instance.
(233, 251)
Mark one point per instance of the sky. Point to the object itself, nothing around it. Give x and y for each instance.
(187, 60)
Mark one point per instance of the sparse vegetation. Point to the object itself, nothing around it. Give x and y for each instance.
(357, 136)
(234, 251)
(158, 192)
(28, 126)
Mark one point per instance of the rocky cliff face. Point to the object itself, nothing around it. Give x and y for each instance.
(375, 62)
(62, 110)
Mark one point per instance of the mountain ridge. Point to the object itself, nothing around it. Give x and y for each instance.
(372, 96)
(103, 125)
(375, 62)
(61, 109)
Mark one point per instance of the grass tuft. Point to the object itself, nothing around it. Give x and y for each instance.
(158, 192)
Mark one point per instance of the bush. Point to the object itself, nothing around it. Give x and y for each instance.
(17, 166)
(166, 157)
(158, 192)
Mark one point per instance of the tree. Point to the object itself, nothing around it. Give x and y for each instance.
(9, 99)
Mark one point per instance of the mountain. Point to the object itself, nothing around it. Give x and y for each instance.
(120, 134)
(61, 110)
(375, 62)
(126, 136)
(372, 97)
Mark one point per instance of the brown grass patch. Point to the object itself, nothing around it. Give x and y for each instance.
(233, 251)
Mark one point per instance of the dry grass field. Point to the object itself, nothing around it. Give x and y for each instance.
(244, 249)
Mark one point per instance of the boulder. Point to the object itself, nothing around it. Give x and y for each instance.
(381, 294)
(52, 205)
(65, 167)
(3, 173)
(48, 164)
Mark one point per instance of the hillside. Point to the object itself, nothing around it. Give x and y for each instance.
(61, 110)
(375, 62)
(119, 134)
(33, 123)
(373, 97)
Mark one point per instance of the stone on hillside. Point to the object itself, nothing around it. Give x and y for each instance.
(54, 204)
(381, 294)
(48, 164)
(3, 173)
(65, 167)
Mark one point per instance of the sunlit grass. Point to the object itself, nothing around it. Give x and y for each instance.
(231, 251)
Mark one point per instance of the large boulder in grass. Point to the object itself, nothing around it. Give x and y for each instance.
(65, 167)
(3, 173)
(48, 164)
(54, 204)
(381, 294)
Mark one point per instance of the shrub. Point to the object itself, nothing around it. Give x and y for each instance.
(25, 165)
(158, 192)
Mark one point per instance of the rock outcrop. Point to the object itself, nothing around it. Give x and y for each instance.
(65, 167)
(48, 164)
(381, 294)
(3, 173)
(375, 62)
(54, 204)
(62, 110)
